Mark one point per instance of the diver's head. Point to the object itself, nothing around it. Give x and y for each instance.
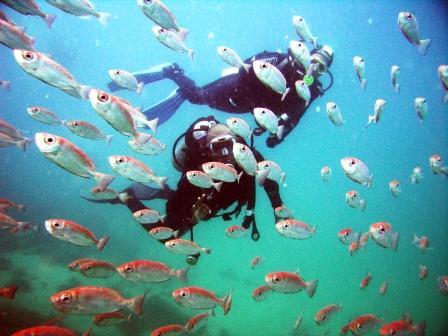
(193, 259)
(321, 60)
(220, 140)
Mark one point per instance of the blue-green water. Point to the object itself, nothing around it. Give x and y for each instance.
(37, 262)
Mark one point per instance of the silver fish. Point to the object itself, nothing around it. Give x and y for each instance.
(172, 40)
(83, 8)
(43, 115)
(158, 12)
(421, 107)
(377, 112)
(270, 76)
(303, 30)
(230, 56)
(126, 80)
(408, 25)
(30, 7)
(394, 75)
(14, 37)
(334, 114)
(360, 66)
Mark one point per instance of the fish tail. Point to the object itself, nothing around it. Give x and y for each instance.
(369, 183)
(176, 234)
(49, 19)
(10, 292)
(371, 119)
(6, 85)
(285, 93)
(282, 177)
(314, 40)
(311, 287)
(103, 180)
(21, 207)
(87, 333)
(136, 304)
(182, 274)
(395, 240)
(162, 218)
(152, 124)
(140, 87)
(206, 250)
(445, 99)
(84, 91)
(423, 46)
(363, 83)
(247, 67)
(190, 53)
(397, 88)
(103, 18)
(161, 181)
(217, 186)
(261, 177)
(227, 303)
(102, 242)
(108, 139)
(280, 132)
(238, 177)
(22, 144)
(420, 329)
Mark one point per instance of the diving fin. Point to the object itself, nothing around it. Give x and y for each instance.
(165, 108)
(150, 75)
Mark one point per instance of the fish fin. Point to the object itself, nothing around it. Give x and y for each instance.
(108, 139)
(124, 197)
(182, 33)
(282, 177)
(190, 53)
(103, 18)
(21, 207)
(87, 333)
(247, 67)
(103, 180)
(423, 46)
(206, 250)
(369, 183)
(176, 234)
(102, 242)
(182, 274)
(161, 181)
(311, 287)
(395, 240)
(217, 186)
(142, 138)
(363, 84)
(6, 85)
(140, 87)
(420, 329)
(136, 304)
(227, 303)
(280, 132)
(162, 218)
(261, 177)
(152, 124)
(416, 239)
(397, 88)
(49, 19)
(371, 119)
(314, 40)
(238, 177)
(445, 99)
(285, 93)
(10, 292)
(362, 204)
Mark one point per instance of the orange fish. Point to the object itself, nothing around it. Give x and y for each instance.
(111, 318)
(76, 264)
(364, 324)
(97, 269)
(422, 242)
(323, 315)
(200, 298)
(255, 261)
(383, 288)
(148, 271)
(365, 281)
(167, 330)
(423, 272)
(287, 282)
(94, 300)
(197, 321)
(261, 293)
(6, 205)
(47, 330)
(74, 233)
(403, 327)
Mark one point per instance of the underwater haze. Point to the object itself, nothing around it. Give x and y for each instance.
(37, 262)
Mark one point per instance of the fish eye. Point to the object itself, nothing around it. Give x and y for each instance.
(359, 326)
(103, 97)
(140, 214)
(234, 121)
(75, 123)
(120, 160)
(346, 234)
(183, 294)
(392, 332)
(28, 55)
(263, 112)
(276, 279)
(264, 65)
(212, 166)
(118, 72)
(243, 148)
(66, 298)
(285, 226)
(49, 139)
(299, 44)
(409, 16)
(161, 30)
(128, 268)
(323, 317)
(354, 195)
(34, 109)
(382, 229)
(352, 162)
(88, 267)
(56, 224)
(266, 165)
(224, 49)
(194, 174)
(424, 101)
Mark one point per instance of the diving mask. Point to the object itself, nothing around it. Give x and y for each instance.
(220, 140)
(321, 60)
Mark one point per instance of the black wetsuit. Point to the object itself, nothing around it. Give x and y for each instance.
(242, 92)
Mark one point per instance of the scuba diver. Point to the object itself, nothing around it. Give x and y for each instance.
(206, 140)
(241, 91)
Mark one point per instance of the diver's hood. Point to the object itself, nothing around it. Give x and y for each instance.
(322, 58)
(220, 140)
